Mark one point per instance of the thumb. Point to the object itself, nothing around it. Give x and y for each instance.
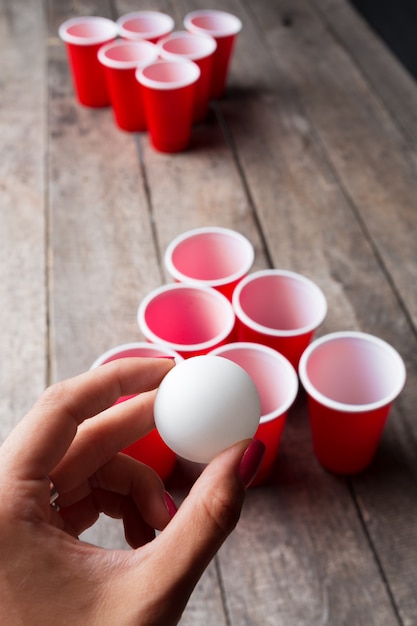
(205, 519)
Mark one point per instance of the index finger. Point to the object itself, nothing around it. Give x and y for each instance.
(41, 439)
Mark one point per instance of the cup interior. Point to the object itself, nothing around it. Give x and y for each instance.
(134, 350)
(280, 301)
(168, 74)
(274, 377)
(191, 46)
(149, 24)
(88, 30)
(357, 370)
(125, 54)
(215, 23)
(209, 256)
(186, 316)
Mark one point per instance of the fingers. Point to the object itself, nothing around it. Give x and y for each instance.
(122, 488)
(204, 520)
(98, 440)
(41, 439)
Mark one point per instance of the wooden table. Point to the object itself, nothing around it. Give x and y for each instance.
(312, 154)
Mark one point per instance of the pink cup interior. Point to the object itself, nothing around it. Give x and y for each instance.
(188, 45)
(216, 23)
(128, 54)
(280, 302)
(148, 24)
(209, 256)
(88, 30)
(169, 74)
(274, 377)
(186, 316)
(354, 370)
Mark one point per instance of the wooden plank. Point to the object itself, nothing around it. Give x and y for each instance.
(23, 330)
(361, 140)
(103, 255)
(393, 83)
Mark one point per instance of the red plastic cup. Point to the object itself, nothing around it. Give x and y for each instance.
(280, 309)
(120, 60)
(168, 91)
(351, 379)
(199, 48)
(224, 28)
(150, 449)
(188, 319)
(210, 256)
(149, 25)
(83, 36)
(277, 384)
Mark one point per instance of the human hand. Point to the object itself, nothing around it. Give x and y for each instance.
(73, 435)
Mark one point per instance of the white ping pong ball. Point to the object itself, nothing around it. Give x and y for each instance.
(204, 405)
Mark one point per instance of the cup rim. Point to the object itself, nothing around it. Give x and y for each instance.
(277, 332)
(191, 347)
(192, 77)
(210, 48)
(109, 30)
(277, 356)
(234, 29)
(149, 48)
(188, 234)
(133, 345)
(341, 406)
(167, 22)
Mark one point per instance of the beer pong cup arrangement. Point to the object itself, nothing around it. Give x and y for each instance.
(149, 25)
(210, 256)
(277, 384)
(224, 28)
(120, 60)
(168, 91)
(188, 319)
(83, 37)
(265, 322)
(351, 379)
(171, 95)
(280, 309)
(150, 449)
(199, 48)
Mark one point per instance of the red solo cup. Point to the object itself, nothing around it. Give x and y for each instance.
(280, 309)
(188, 319)
(210, 256)
(83, 36)
(120, 59)
(224, 28)
(150, 449)
(149, 25)
(199, 48)
(277, 384)
(168, 91)
(351, 380)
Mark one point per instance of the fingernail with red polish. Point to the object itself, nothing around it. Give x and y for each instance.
(170, 504)
(251, 461)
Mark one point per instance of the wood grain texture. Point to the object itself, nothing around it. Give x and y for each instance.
(23, 327)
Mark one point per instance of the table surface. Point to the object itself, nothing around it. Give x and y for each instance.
(312, 154)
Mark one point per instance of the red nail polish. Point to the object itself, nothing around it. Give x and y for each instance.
(251, 461)
(170, 504)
